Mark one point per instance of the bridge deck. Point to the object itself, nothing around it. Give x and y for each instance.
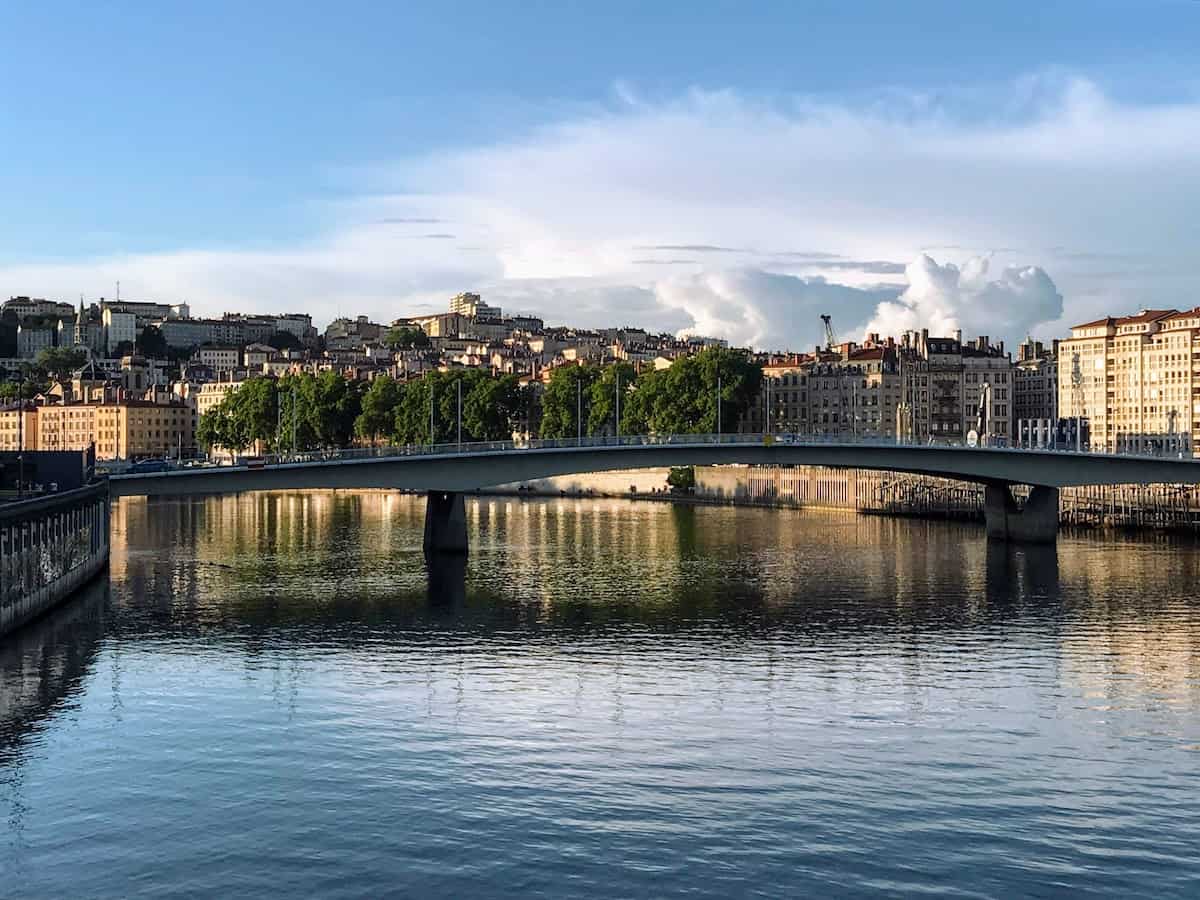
(474, 466)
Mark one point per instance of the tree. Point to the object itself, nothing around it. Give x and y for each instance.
(285, 340)
(568, 388)
(682, 399)
(403, 337)
(60, 362)
(151, 343)
(682, 479)
(602, 415)
(493, 408)
(379, 403)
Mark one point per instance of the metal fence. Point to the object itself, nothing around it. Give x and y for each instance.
(474, 448)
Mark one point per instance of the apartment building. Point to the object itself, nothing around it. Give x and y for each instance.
(120, 429)
(218, 358)
(1035, 382)
(1135, 379)
(18, 426)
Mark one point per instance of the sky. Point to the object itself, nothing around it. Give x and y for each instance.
(726, 169)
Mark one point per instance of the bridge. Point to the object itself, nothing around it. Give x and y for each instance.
(445, 472)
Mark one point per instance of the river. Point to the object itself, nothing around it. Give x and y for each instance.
(271, 696)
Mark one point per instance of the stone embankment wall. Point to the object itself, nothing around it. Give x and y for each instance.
(881, 493)
(621, 483)
(1167, 507)
(49, 548)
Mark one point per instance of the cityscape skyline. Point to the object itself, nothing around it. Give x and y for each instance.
(804, 185)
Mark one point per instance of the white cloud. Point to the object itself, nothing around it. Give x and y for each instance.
(944, 298)
(751, 307)
(613, 216)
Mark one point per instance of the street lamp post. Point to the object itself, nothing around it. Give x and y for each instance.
(578, 410)
(718, 409)
(618, 422)
(459, 382)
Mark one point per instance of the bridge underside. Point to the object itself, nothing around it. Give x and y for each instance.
(1034, 523)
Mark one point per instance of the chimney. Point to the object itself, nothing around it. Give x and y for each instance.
(958, 336)
(981, 342)
(1002, 348)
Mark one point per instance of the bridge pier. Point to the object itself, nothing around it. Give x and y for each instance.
(445, 523)
(1034, 523)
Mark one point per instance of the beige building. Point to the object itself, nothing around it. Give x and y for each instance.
(1135, 379)
(213, 393)
(218, 358)
(120, 429)
(16, 434)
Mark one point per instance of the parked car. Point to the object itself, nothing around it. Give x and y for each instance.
(252, 462)
(145, 466)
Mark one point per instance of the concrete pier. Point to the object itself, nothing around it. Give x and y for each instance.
(445, 523)
(1034, 523)
(50, 547)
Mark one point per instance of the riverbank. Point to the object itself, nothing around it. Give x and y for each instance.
(1170, 508)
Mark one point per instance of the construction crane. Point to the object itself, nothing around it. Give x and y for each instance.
(830, 341)
(829, 338)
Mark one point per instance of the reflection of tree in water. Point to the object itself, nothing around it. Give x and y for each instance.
(44, 664)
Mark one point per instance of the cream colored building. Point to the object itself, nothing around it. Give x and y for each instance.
(1135, 379)
(213, 393)
(15, 435)
(120, 429)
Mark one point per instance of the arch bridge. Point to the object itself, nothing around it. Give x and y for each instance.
(445, 472)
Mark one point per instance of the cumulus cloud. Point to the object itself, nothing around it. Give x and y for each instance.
(944, 298)
(751, 307)
(732, 182)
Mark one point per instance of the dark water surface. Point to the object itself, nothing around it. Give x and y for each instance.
(271, 697)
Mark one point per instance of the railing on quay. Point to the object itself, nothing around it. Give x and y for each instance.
(49, 546)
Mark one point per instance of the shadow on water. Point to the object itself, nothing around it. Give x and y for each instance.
(447, 574)
(44, 664)
(1018, 573)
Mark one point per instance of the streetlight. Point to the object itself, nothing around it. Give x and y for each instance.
(618, 406)
(718, 409)
(459, 383)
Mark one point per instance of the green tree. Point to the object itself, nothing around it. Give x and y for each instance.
(253, 413)
(493, 408)
(151, 343)
(335, 405)
(562, 397)
(379, 403)
(682, 399)
(403, 337)
(285, 340)
(602, 411)
(682, 479)
(59, 363)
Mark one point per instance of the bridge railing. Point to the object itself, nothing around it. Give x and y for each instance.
(589, 442)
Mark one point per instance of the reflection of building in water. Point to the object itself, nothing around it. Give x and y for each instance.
(45, 662)
(1140, 643)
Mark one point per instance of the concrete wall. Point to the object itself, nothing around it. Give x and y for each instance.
(598, 484)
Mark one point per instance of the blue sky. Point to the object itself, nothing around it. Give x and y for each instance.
(170, 144)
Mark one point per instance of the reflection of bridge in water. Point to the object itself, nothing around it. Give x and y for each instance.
(446, 472)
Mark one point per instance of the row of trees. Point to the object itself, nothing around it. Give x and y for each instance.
(308, 412)
(302, 412)
(681, 399)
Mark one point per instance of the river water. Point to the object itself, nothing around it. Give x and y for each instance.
(610, 699)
